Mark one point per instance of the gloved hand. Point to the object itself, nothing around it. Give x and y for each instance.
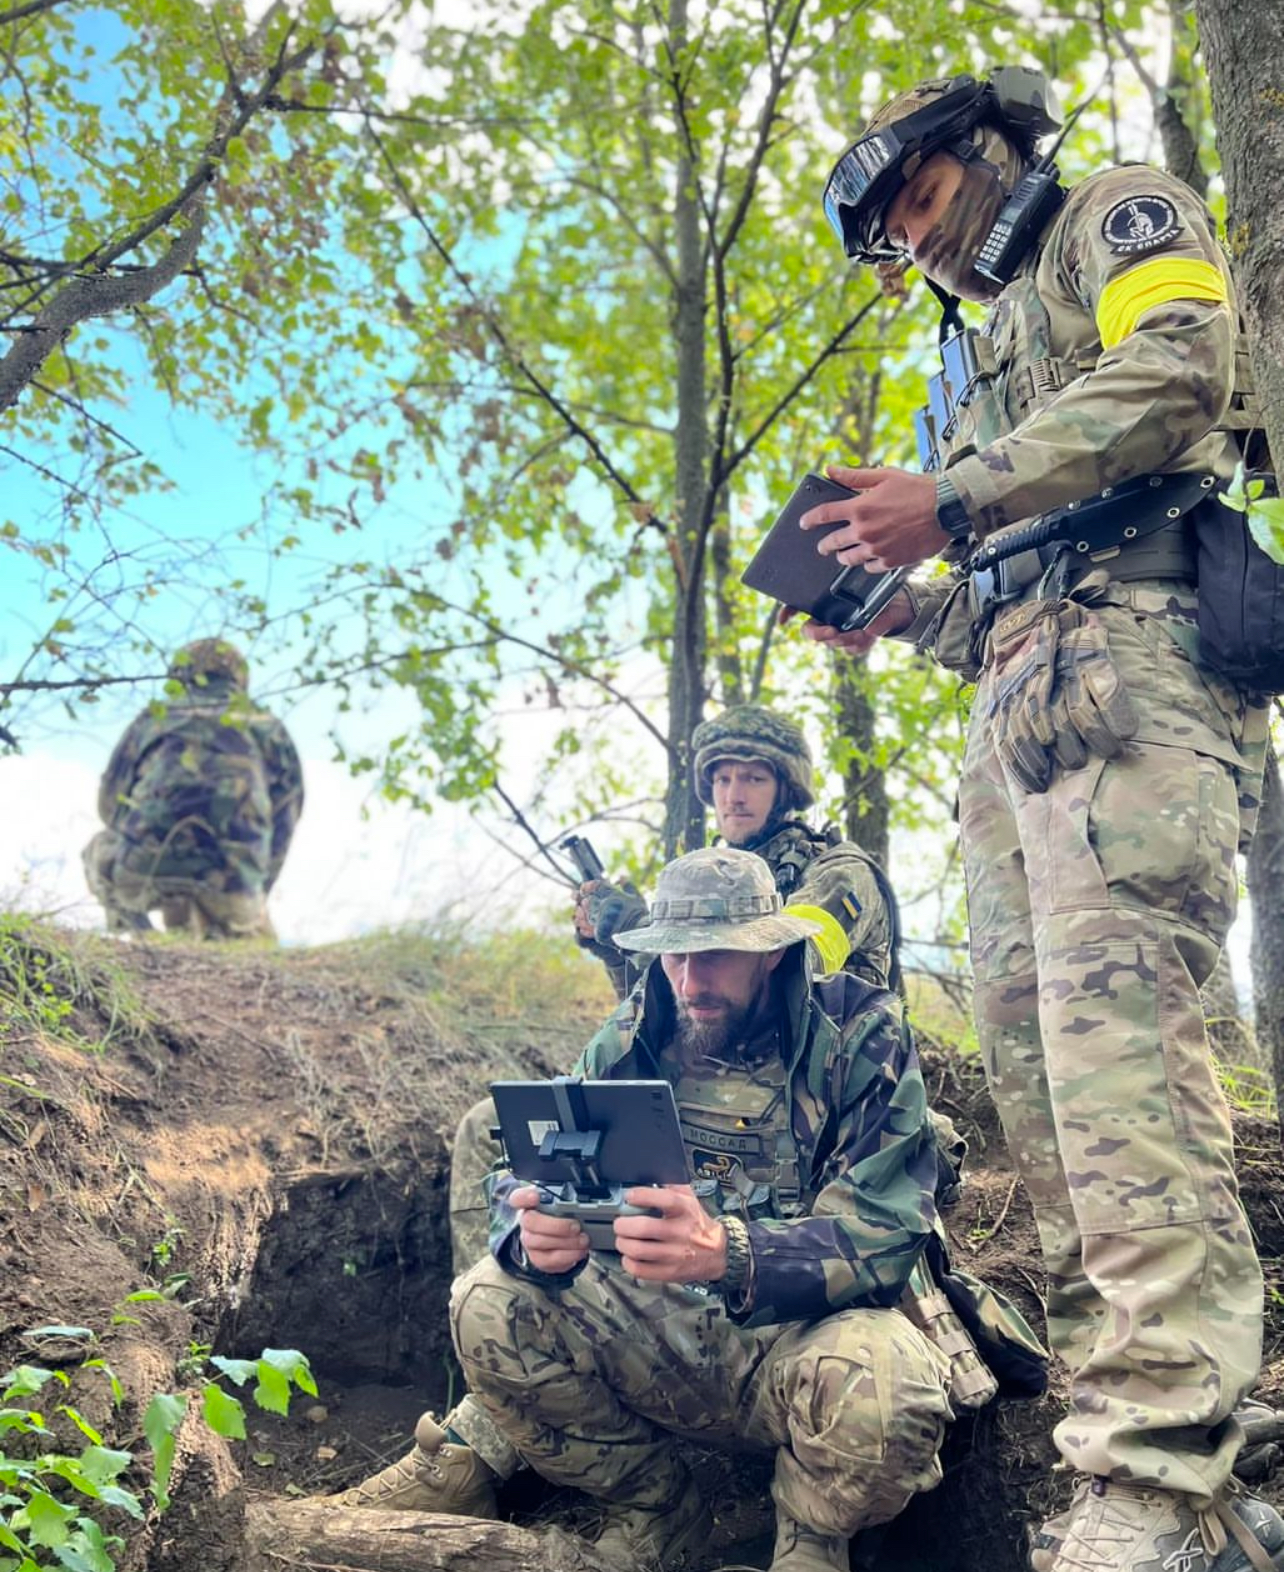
(1024, 644)
(1092, 714)
(602, 910)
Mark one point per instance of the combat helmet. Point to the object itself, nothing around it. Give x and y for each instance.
(210, 658)
(753, 732)
(1000, 118)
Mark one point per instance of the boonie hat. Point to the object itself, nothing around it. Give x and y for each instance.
(719, 898)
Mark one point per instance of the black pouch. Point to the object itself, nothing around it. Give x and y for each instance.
(1241, 599)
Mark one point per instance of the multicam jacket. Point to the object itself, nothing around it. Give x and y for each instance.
(206, 786)
(857, 1152)
(1115, 353)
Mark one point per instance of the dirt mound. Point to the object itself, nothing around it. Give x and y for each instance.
(213, 1151)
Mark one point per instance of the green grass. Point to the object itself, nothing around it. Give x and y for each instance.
(55, 982)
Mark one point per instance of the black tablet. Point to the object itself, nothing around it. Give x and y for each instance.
(788, 568)
(548, 1127)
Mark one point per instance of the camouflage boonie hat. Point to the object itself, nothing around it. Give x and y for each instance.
(752, 733)
(719, 898)
(210, 658)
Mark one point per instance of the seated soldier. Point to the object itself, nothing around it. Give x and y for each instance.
(760, 1309)
(200, 799)
(753, 767)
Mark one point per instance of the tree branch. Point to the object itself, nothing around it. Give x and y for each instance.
(510, 350)
(101, 293)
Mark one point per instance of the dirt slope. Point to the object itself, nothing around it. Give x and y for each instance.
(263, 1139)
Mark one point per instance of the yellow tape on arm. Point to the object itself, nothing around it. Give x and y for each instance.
(832, 944)
(1127, 298)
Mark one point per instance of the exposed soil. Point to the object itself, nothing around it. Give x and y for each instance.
(265, 1141)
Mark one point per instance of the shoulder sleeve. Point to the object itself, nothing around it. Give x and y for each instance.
(1134, 274)
(875, 1210)
(840, 892)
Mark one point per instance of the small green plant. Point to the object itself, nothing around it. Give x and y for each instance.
(35, 1519)
(1265, 514)
(50, 979)
(51, 1498)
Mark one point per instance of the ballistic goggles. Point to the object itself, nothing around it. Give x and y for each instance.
(870, 173)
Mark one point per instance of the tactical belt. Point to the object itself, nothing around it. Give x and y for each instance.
(1134, 530)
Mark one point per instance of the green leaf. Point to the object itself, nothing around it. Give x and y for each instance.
(1266, 525)
(293, 1365)
(24, 1380)
(224, 1414)
(77, 1333)
(46, 1520)
(236, 1370)
(102, 1463)
(273, 1390)
(81, 1423)
(89, 1549)
(163, 1417)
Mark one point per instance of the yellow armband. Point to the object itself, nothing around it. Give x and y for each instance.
(1126, 299)
(832, 944)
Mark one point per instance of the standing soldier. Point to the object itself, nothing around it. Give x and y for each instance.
(1109, 773)
(200, 799)
(753, 767)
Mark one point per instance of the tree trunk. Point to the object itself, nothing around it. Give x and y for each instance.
(1176, 102)
(302, 1534)
(684, 812)
(865, 805)
(1266, 893)
(1243, 45)
(730, 666)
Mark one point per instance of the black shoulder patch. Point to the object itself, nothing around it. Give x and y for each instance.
(1142, 223)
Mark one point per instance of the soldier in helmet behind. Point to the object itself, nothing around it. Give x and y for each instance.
(753, 767)
(765, 1305)
(200, 800)
(1109, 772)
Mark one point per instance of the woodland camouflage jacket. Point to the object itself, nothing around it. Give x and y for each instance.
(202, 784)
(858, 1112)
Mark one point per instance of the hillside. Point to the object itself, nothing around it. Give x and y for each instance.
(211, 1151)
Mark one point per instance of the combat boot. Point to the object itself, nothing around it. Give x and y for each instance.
(803, 1549)
(1111, 1527)
(663, 1538)
(437, 1475)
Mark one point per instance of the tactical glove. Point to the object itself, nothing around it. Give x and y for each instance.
(1092, 714)
(1024, 645)
(602, 910)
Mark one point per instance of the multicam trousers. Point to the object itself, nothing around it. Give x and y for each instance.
(590, 1382)
(1097, 911)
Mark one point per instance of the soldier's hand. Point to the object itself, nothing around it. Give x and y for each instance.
(552, 1244)
(892, 524)
(896, 615)
(683, 1245)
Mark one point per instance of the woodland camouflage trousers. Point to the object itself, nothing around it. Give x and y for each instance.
(591, 1382)
(201, 908)
(1097, 911)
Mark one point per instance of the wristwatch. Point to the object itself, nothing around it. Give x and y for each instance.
(739, 1254)
(951, 515)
